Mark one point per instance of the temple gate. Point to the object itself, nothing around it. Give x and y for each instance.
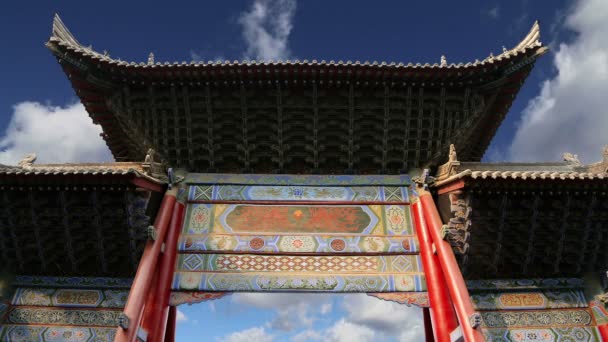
(302, 177)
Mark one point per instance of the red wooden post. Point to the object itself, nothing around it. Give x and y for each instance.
(451, 270)
(172, 319)
(145, 272)
(603, 329)
(442, 312)
(428, 325)
(155, 320)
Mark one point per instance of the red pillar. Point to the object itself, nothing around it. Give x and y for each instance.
(428, 325)
(451, 270)
(155, 319)
(145, 271)
(603, 331)
(170, 333)
(441, 313)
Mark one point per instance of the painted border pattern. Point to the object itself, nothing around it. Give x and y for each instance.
(193, 297)
(276, 282)
(271, 179)
(25, 333)
(419, 299)
(279, 193)
(537, 318)
(545, 299)
(577, 334)
(288, 243)
(59, 316)
(84, 298)
(365, 264)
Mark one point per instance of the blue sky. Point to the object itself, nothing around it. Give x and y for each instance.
(560, 107)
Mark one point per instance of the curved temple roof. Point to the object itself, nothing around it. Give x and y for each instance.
(295, 116)
(63, 37)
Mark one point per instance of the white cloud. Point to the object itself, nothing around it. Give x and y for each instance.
(180, 316)
(345, 331)
(293, 310)
(266, 28)
(257, 334)
(385, 317)
(55, 134)
(307, 336)
(570, 113)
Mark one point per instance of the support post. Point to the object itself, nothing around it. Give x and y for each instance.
(172, 319)
(145, 271)
(468, 318)
(428, 325)
(155, 319)
(441, 313)
(603, 329)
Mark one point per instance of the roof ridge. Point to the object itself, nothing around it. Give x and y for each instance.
(63, 36)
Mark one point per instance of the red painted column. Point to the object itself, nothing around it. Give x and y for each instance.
(428, 325)
(170, 333)
(451, 270)
(441, 312)
(155, 320)
(603, 331)
(145, 271)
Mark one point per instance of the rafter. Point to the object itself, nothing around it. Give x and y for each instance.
(97, 221)
(67, 230)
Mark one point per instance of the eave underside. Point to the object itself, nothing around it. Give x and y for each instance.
(528, 228)
(72, 230)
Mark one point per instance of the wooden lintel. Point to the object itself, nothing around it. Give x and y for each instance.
(459, 184)
(146, 184)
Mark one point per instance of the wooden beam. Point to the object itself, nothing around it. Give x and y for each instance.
(315, 126)
(453, 186)
(504, 204)
(280, 150)
(406, 134)
(67, 233)
(532, 236)
(562, 231)
(97, 221)
(385, 126)
(12, 226)
(147, 184)
(244, 138)
(36, 226)
(189, 143)
(210, 142)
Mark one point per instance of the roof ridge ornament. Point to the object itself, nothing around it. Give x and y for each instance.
(571, 159)
(27, 161)
(151, 58)
(444, 61)
(61, 32)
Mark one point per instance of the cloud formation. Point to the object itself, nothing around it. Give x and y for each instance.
(257, 334)
(266, 28)
(293, 311)
(56, 134)
(180, 316)
(570, 113)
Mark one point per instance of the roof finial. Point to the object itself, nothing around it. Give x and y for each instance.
(150, 58)
(27, 161)
(504, 49)
(452, 157)
(571, 159)
(444, 61)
